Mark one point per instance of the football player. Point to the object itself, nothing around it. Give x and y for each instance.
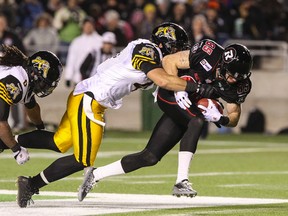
(21, 78)
(226, 72)
(138, 66)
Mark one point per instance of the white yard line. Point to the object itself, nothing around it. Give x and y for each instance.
(108, 154)
(161, 176)
(104, 203)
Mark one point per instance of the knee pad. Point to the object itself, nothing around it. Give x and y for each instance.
(135, 161)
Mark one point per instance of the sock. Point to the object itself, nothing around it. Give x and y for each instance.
(184, 159)
(108, 170)
(39, 180)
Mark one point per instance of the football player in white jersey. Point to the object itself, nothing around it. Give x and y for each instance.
(22, 77)
(137, 66)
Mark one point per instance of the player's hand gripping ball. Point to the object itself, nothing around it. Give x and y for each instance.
(212, 110)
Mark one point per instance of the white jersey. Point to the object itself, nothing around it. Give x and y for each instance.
(122, 74)
(14, 83)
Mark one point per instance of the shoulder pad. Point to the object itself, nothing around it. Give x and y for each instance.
(148, 51)
(11, 89)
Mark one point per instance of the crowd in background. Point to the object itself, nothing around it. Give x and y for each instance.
(67, 26)
(53, 24)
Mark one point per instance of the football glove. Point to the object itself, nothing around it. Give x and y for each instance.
(205, 90)
(21, 156)
(182, 99)
(210, 113)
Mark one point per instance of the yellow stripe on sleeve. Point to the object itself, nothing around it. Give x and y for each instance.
(139, 59)
(5, 95)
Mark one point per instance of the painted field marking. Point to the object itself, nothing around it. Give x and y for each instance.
(104, 203)
(161, 176)
(108, 154)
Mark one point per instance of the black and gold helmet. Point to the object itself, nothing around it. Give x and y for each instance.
(44, 70)
(171, 36)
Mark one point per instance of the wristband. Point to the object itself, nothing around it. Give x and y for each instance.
(224, 120)
(16, 148)
(191, 87)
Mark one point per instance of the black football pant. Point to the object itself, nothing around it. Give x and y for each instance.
(60, 168)
(175, 124)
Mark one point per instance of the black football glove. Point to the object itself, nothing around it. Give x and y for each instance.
(205, 91)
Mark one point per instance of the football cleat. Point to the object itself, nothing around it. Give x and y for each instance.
(25, 191)
(88, 183)
(184, 188)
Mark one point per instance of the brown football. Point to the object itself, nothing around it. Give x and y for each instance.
(204, 102)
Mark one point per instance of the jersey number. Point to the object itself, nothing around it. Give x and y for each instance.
(208, 47)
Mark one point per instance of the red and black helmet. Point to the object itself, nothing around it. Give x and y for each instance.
(237, 61)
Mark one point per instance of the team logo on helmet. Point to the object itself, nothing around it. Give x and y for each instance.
(229, 55)
(167, 32)
(147, 51)
(42, 65)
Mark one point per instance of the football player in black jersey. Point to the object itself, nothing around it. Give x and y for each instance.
(224, 73)
(22, 77)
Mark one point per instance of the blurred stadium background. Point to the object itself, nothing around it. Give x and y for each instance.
(261, 25)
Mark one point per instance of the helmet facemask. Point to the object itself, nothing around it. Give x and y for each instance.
(41, 86)
(236, 75)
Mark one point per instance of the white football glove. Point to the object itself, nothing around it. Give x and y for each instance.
(21, 156)
(210, 113)
(182, 99)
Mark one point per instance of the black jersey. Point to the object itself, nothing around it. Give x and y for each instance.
(204, 58)
(233, 93)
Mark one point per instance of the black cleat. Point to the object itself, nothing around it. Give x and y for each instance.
(25, 191)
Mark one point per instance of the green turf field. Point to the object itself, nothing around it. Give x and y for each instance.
(244, 166)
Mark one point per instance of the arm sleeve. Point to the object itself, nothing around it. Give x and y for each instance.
(31, 104)
(145, 57)
(4, 110)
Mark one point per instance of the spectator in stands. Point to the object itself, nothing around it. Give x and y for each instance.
(67, 21)
(79, 48)
(144, 28)
(43, 36)
(163, 9)
(97, 56)
(52, 6)
(181, 15)
(95, 11)
(17, 115)
(200, 29)
(9, 9)
(113, 24)
(216, 23)
(28, 11)
(116, 5)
